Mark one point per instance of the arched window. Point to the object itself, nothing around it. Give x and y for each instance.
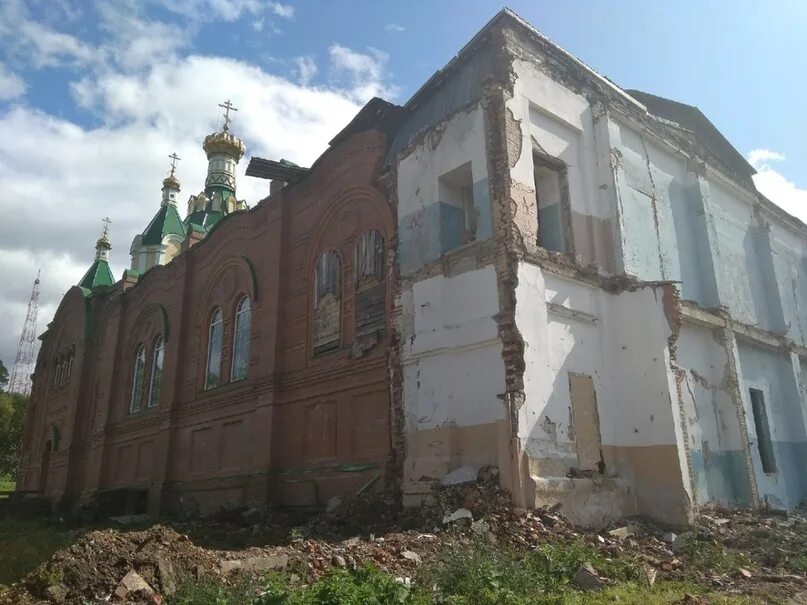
(69, 367)
(156, 372)
(57, 372)
(327, 307)
(241, 340)
(137, 379)
(214, 340)
(371, 291)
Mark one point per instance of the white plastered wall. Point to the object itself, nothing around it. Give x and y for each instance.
(621, 342)
(453, 373)
(558, 123)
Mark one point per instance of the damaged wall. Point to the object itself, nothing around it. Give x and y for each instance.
(429, 226)
(556, 123)
(453, 374)
(773, 374)
(571, 328)
(718, 457)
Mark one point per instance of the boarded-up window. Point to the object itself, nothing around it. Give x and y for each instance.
(586, 422)
(764, 441)
(327, 302)
(370, 286)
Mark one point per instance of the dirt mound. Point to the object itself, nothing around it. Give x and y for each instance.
(93, 567)
(739, 552)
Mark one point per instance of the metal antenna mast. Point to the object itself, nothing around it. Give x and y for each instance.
(24, 364)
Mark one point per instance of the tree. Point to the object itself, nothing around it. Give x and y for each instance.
(3, 376)
(12, 423)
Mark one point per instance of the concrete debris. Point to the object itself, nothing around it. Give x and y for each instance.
(587, 578)
(228, 567)
(56, 593)
(463, 474)
(400, 541)
(168, 577)
(622, 532)
(411, 556)
(133, 584)
(265, 563)
(458, 515)
(650, 574)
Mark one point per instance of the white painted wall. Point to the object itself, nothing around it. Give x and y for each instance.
(619, 340)
(452, 356)
(559, 123)
(460, 140)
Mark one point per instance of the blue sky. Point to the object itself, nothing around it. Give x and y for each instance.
(94, 94)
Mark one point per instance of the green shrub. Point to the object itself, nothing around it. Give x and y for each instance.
(365, 586)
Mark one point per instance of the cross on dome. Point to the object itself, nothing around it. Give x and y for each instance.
(174, 158)
(227, 105)
(106, 220)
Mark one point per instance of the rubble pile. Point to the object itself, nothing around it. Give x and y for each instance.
(739, 552)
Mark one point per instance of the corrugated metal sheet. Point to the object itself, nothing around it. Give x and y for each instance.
(460, 89)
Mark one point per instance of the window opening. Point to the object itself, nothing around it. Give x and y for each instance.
(214, 342)
(157, 372)
(137, 379)
(458, 216)
(241, 340)
(550, 189)
(370, 285)
(327, 298)
(764, 442)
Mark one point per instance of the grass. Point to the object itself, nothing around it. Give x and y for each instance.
(711, 556)
(476, 574)
(24, 544)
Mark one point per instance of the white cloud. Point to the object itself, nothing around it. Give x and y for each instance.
(32, 42)
(394, 27)
(257, 25)
(116, 169)
(282, 10)
(363, 72)
(775, 186)
(306, 69)
(11, 85)
(760, 157)
(135, 41)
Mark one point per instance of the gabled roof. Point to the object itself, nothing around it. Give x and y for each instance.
(166, 222)
(99, 274)
(204, 218)
(691, 118)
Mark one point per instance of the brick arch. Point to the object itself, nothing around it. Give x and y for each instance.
(151, 322)
(334, 231)
(233, 278)
(348, 215)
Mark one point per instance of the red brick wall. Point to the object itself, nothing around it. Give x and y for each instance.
(300, 428)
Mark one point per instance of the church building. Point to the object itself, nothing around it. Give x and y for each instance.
(524, 266)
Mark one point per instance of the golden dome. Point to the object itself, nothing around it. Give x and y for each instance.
(224, 142)
(171, 182)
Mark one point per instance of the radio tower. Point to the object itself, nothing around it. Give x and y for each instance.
(24, 364)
